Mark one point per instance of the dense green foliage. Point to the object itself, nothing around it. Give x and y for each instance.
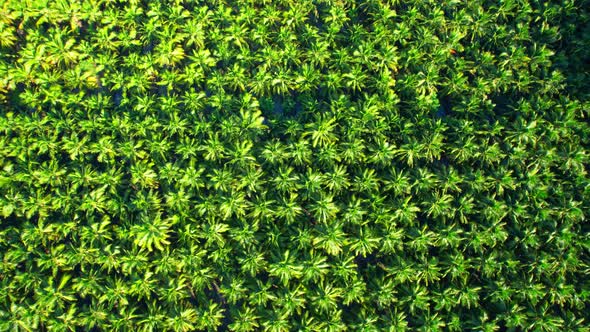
(294, 165)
